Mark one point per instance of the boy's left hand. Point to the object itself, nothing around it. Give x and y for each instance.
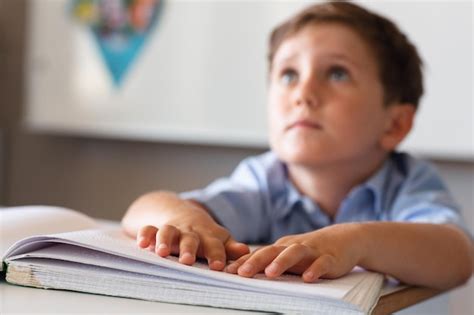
(330, 252)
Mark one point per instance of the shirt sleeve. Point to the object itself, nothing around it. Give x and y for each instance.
(237, 202)
(424, 198)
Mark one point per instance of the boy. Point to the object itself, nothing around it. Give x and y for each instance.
(344, 85)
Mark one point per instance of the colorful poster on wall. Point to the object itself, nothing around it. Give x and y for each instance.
(120, 28)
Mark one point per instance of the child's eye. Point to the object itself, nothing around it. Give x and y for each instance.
(288, 76)
(338, 73)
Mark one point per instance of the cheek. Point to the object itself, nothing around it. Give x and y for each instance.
(276, 123)
(275, 111)
(362, 126)
(360, 109)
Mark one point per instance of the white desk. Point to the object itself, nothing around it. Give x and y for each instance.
(17, 299)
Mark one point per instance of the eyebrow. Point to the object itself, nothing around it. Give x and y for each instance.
(284, 59)
(345, 58)
(335, 56)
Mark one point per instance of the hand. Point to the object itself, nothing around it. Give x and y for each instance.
(189, 231)
(191, 241)
(329, 252)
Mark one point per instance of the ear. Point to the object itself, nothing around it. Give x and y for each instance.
(399, 123)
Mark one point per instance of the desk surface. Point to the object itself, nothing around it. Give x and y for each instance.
(17, 299)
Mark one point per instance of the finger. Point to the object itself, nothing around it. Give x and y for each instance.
(165, 237)
(289, 257)
(234, 266)
(188, 246)
(320, 267)
(214, 251)
(259, 260)
(235, 249)
(146, 236)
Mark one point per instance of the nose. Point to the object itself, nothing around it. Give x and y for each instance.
(306, 93)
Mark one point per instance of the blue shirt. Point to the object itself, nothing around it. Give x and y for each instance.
(259, 204)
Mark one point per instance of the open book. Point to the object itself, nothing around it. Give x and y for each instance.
(84, 256)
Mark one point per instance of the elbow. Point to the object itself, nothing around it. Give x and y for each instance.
(458, 265)
(465, 266)
(464, 275)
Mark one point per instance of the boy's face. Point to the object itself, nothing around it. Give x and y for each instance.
(325, 99)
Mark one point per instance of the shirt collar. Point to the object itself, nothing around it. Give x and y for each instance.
(286, 196)
(293, 198)
(376, 184)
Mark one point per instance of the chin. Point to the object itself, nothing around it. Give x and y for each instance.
(299, 150)
(295, 155)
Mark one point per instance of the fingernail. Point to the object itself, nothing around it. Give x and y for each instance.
(272, 268)
(246, 268)
(309, 276)
(216, 265)
(163, 246)
(232, 268)
(142, 242)
(186, 257)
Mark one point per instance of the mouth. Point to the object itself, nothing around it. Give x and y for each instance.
(304, 124)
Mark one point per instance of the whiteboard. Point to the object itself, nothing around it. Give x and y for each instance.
(201, 77)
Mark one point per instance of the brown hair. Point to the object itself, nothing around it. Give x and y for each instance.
(398, 61)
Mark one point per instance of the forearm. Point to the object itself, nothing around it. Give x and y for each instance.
(155, 208)
(438, 256)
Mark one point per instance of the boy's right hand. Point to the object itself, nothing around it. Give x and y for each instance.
(184, 228)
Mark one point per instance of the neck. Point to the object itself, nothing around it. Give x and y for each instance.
(328, 185)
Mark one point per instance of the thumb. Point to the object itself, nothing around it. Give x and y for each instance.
(235, 249)
(322, 266)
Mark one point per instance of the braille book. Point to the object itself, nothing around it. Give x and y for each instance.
(57, 248)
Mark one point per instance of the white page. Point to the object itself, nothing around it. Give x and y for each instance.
(20, 222)
(91, 257)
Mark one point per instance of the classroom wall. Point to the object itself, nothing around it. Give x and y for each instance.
(101, 177)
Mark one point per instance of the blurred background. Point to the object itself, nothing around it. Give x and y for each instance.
(101, 173)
